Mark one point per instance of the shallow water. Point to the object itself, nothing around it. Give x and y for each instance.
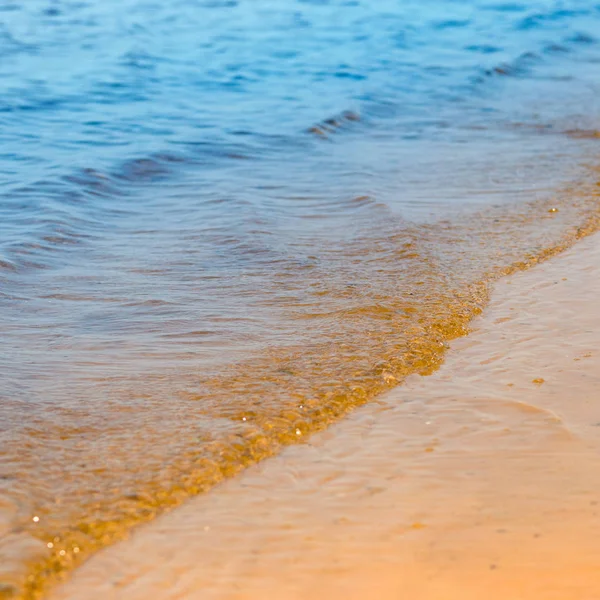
(222, 224)
(473, 482)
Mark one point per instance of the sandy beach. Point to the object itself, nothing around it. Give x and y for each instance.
(482, 479)
(239, 243)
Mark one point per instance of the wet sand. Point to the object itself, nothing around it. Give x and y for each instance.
(482, 479)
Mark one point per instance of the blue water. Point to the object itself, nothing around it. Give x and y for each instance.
(91, 85)
(204, 203)
(97, 97)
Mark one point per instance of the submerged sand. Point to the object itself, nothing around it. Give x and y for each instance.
(482, 480)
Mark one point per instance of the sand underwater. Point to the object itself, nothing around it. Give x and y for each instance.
(481, 479)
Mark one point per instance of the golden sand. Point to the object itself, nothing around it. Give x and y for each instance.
(481, 480)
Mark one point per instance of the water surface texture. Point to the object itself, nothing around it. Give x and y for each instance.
(225, 223)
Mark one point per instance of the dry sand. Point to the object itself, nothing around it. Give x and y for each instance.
(474, 482)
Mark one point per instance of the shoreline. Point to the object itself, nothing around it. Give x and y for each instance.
(480, 478)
